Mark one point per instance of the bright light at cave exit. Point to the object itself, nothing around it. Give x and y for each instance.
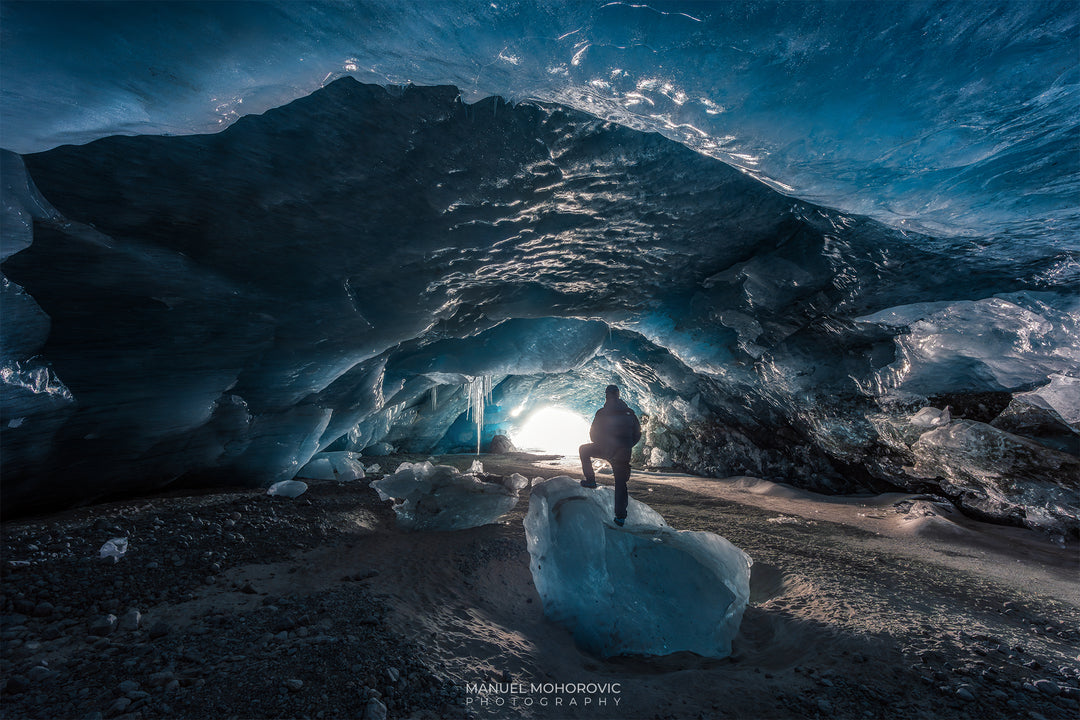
(553, 431)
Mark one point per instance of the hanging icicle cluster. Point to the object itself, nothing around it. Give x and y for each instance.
(479, 396)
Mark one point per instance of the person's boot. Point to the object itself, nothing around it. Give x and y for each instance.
(588, 483)
(620, 521)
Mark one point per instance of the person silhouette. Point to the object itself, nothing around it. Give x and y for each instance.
(614, 431)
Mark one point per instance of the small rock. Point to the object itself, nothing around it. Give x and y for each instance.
(374, 710)
(964, 693)
(159, 629)
(130, 620)
(127, 686)
(1047, 687)
(393, 673)
(39, 673)
(43, 609)
(160, 679)
(283, 622)
(17, 684)
(119, 706)
(104, 625)
(293, 684)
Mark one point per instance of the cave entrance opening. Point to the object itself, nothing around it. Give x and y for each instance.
(552, 431)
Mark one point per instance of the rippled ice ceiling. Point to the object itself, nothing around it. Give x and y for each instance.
(957, 117)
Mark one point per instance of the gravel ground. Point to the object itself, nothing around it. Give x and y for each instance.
(234, 604)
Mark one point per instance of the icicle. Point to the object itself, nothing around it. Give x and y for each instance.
(479, 396)
(434, 398)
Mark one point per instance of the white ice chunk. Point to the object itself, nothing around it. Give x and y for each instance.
(114, 548)
(1062, 395)
(440, 497)
(341, 466)
(643, 589)
(477, 468)
(930, 417)
(516, 482)
(287, 488)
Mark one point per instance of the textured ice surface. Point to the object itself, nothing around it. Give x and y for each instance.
(1001, 475)
(998, 343)
(342, 465)
(643, 589)
(976, 137)
(441, 497)
(246, 312)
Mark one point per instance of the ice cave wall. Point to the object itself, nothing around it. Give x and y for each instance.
(337, 272)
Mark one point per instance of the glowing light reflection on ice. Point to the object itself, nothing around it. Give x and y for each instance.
(552, 430)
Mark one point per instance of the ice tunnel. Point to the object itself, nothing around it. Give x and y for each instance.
(370, 266)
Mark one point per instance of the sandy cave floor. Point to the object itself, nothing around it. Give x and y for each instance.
(231, 603)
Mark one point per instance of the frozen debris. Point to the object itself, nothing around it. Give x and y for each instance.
(516, 482)
(287, 488)
(672, 590)
(114, 548)
(1002, 475)
(784, 520)
(373, 468)
(659, 458)
(440, 497)
(930, 417)
(477, 468)
(342, 466)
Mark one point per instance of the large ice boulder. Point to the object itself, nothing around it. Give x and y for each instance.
(641, 589)
(1000, 475)
(441, 497)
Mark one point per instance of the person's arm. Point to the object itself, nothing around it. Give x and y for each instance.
(594, 429)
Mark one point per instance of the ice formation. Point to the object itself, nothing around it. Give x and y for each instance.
(342, 466)
(287, 489)
(441, 497)
(642, 589)
(224, 307)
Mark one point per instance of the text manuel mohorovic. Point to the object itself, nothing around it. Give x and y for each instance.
(543, 694)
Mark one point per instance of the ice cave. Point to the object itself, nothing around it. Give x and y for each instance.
(825, 250)
(419, 255)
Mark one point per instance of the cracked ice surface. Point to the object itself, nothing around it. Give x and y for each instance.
(644, 589)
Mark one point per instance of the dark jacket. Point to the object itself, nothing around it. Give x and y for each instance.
(615, 425)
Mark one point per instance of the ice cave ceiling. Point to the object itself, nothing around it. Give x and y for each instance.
(348, 269)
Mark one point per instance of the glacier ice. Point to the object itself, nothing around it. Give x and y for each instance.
(238, 324)
(973, 150)
(441, 497)
(341, 465)
(642, 589)
(997, 474)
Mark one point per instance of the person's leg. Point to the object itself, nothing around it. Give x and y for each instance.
(620, 465)
(586, 452)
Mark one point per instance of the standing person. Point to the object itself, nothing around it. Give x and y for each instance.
(615, 430)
